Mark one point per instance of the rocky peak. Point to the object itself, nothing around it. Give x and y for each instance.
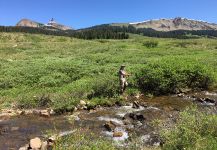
(28, 23)
(177, 21)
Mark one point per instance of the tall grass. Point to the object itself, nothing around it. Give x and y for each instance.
(84, 141)
(194, 130)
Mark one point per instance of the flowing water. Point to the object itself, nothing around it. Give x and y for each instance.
(16, 132)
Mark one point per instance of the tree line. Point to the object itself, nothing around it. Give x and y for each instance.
(111, 32)
(81, 34)
(183, 34)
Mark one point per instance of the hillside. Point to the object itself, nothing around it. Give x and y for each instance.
(172, 24)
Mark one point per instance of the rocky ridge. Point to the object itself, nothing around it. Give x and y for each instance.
(173, 24)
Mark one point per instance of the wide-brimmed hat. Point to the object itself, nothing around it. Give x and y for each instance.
(123, 65)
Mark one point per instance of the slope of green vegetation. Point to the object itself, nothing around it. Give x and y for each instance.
(194, 130)
(54, 71)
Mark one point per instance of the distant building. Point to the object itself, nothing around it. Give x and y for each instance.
(51, 22)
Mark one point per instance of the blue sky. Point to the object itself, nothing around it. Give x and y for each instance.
(86, 13)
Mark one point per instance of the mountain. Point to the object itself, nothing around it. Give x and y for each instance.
(172, 24)
(50, 25)
(29, 23)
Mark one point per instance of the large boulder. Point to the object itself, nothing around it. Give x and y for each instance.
(185, 90)
(152, 140)
(200, 100)
(82, 103)
(117, 134)
(136, 104)
(137, 116)
(35, 143)
(35, 112)
(21, 112)
(110, 126)
(209, 100)
(45, 113)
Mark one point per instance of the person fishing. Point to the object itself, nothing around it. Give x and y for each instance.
(122, 77)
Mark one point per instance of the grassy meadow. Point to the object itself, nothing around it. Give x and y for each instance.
(53, 71)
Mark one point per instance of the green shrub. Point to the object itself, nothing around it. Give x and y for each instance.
(5, 83)
(193, 130)
(25, 102)
(166, 76)
(99, 86)
(44, 101)
(30, 101)
(63, 104)
(55, 79)
(150, 44)
(103, 102)
(132, 91)
(185, 44)
(104, 86)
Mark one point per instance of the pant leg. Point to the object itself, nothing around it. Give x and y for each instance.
(125, 85)
(122, 85)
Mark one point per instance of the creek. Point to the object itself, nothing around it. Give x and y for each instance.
(128, 120)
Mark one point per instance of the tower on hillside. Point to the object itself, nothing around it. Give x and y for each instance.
(52, 21)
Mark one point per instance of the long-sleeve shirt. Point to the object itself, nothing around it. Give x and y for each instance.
(122, 74)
